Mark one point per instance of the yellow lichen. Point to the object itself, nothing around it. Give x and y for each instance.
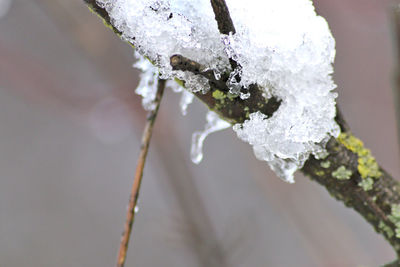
(351, 142)
(367, 165)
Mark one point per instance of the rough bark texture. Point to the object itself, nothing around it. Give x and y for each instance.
(222, 16)
(349, 172)
(230, 107)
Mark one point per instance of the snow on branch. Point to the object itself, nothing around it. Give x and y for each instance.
(282, 48)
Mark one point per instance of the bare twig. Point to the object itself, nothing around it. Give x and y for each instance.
(179, 62)
(222, 16)
(225, 23)
(130, 215)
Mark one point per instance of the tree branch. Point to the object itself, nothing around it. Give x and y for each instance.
(225, 23)
(349, 172)
(230, 107)
(144, 148)
(222, 16)
(393, 264)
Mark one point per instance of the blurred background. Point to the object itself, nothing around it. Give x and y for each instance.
(70, 127)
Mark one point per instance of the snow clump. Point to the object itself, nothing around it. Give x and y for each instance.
(282, 46)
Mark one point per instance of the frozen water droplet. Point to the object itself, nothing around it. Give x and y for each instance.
(244, 95)
(214, 124)
(147, 87)
(186, 100)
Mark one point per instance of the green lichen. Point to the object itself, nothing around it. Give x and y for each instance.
(395, 211)
(325, 164)
(389, 232)
(367, 165)
(217, 94)
(342, 173)
(366, 184)
(180, 82)
(319, 172)
(394, 217)
(247, 112)
(106, 23)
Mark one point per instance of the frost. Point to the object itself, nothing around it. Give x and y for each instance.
(214, 124)
(285, 149)
(147, 87)
(186, 100)
(282, 46)
(287, 49)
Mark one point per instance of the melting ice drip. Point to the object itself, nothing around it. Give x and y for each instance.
(282, 46)
(214, 124)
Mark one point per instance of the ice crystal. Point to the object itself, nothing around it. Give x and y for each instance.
(214, 124)
(160, 29)
(186, 100)
(282, 46)
(147, 87)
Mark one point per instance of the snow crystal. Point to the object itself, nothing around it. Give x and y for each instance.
(162, 28)
(282, 46)
(147, 87)
(186, 100)
(214, 124)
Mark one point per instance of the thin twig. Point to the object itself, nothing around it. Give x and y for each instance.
(130, 214)
(182, 63)
(225, 23)
(236, 107)
(222, 16)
